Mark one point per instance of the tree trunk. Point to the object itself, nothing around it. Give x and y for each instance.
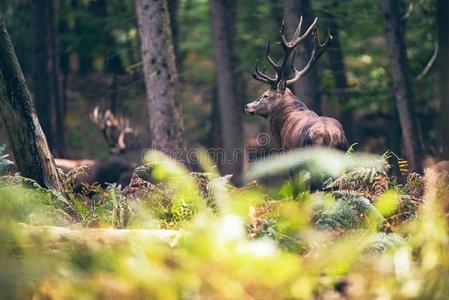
(42, 86)
(56, 78)
(338, 69)
(442, 10)
(411, 133)
(173, 7)
(309, 88)
(276, 13)
(222, 21)
(160, 77)
(27, 140)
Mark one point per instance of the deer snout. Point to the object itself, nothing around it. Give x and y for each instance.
(249, 110)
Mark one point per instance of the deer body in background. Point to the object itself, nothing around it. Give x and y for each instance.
(292, 124)
(120, 138)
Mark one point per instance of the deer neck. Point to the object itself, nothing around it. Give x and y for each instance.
(284, 114)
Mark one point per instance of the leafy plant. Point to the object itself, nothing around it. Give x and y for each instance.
(4, 161)
(231, 243)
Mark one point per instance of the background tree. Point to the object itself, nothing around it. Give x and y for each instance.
(46, 74)
(442, 10)
(338, 68)
(173, 9)
(308, 89)
(160, 77)
(100, 42)
(222, 19)
(28, 142)
(405, 99)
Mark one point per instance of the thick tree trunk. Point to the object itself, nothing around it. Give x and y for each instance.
(28, 142)
(442, 10)
(411, 133)
(309, 88)
(338, 69)
(222, 21)
(160, 77)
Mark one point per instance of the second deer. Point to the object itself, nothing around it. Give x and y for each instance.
(292, 124)
(121, 139)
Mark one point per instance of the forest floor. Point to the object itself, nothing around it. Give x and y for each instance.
(172, 232)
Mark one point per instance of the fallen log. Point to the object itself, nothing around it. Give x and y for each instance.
(102, 236)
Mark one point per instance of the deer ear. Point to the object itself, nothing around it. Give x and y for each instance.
(282, 85)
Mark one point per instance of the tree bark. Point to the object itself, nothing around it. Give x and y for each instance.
(309, 88)
(405, 100)
(42, 86)
(46, 73)
(230, 110)
(173, 7)
(276, 13)
(160, 77)
(27, 140)
(56, 79)
(338, 69)
(442, 10)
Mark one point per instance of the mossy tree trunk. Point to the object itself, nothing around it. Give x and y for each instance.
(27, 140)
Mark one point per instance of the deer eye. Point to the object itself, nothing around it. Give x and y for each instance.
(265, 96)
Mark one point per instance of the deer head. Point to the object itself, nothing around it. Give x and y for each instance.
(278, 90)
(116, 131)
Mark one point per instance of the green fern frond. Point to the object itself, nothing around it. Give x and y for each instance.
(348, 212)
(382, 242)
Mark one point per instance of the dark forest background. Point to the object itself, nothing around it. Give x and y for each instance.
(78, 54)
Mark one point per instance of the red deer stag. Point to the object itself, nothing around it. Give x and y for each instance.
(292, 124)
(120, 138)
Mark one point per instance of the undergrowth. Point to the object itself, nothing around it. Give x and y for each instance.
(366, 235)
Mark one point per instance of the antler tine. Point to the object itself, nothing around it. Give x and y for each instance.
(97, 118)
(298, 38)
(284, 41)
(122, 122)
(275, 66)
(298, 29)
(317, 50)
(261, 76)
(322, 47)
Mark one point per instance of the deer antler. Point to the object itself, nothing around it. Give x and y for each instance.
(114, 128)
(317, 50)
(289, 47)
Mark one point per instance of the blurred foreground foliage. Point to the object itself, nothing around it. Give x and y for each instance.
(193, 235)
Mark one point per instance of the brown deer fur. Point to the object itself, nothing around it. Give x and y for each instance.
(293, 125)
